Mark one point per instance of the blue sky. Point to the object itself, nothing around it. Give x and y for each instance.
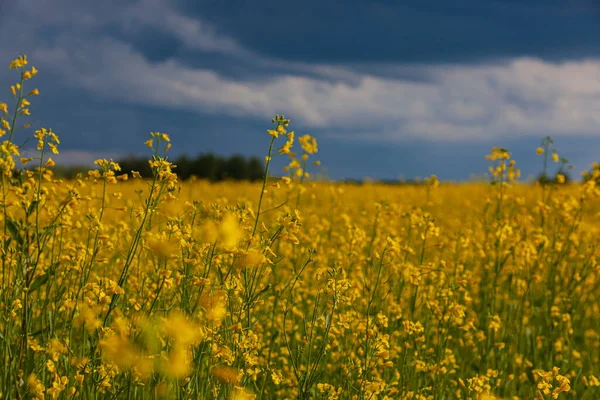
(390, 88)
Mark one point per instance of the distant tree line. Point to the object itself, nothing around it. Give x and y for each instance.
(544, 179)
(204, 166)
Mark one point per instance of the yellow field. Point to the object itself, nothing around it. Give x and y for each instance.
(118, 287)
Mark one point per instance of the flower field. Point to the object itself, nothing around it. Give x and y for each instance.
(117, 286)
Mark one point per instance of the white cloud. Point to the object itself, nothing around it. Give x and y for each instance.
(522, 96)
(194, 33)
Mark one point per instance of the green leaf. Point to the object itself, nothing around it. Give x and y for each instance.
(38, 282)
(14, 229)
(31, 208)
(43, 279)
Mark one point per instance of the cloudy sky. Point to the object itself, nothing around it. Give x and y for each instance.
(390, 88)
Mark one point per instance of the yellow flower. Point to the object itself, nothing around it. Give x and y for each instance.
(230, 232)
(495, 323)
(35, 387)
(276, 377)
(286, 148)
(241, 394)
(214, 306)
(564, 386)
(19, 62)
(178, 364)
(50, 163)
(34, 345)
(225, 374)
(555, 157)
(163, 248)
(56, 348)
(309, 144)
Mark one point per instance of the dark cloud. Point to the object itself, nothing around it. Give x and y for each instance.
(407, 31)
